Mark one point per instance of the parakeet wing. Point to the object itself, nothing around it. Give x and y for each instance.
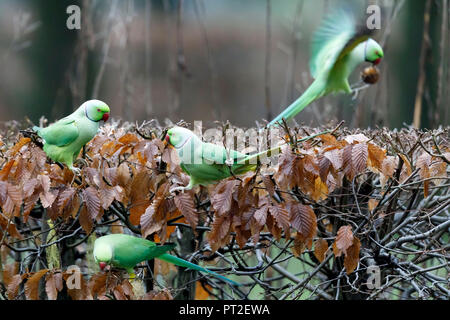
(130, 251)
(60, 133)
(337, 36)
(218, 154)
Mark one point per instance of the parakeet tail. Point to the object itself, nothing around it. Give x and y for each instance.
(183, 263)
(314, 92)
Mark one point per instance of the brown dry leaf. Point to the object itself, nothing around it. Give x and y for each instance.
(85, 220)
(119, 294)
(200, 292)
(124, 177)
(438, 170)
(153, 218)
(352, 256)
(320, 190)
(372, 204)
(304, 220)
(223, 195)
(9, 271)
(344, 240)
(158, 295)
(65, 196)
(269, 185)
(50, 286)
(139, 195)
(351, 139)
(320, 249)
(287, 174)
(424, 163)
(16, 148)
(185, 203)
(92, 176)
(32, 285)
(360, 155)
(407, 168)
(335, 157)
(170, 157)
(4, 173)
(281, 216)
(13, 286)
(258, 220)
(92, 202)
(324, 167)
(347, 166)
(129, 139)
(97, 284)
(72, 207)
(387, 169)
(220, 230)
(329, 140)
(376, 156)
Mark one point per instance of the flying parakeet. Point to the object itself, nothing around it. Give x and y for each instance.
(207, 163)
(64, 139)
(338, 47)
(126, 251)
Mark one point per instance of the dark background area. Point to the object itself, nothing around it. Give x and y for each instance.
(207, 60)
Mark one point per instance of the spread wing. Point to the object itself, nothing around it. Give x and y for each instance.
(61, 133)
(338, 35)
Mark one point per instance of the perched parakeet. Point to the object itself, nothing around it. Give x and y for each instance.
(64, 139)
(207, 163)
(338, 47)
(125, 251)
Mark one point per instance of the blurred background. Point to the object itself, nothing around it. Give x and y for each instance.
(242, 61)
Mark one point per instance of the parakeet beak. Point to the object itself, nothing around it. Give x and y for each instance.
(102, 265)
(105, 117)
(167, 139)
(377, 62)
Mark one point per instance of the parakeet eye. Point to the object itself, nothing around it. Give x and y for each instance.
(98, 109)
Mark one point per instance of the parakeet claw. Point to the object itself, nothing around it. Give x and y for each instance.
(82, 161)
(172, 191)
(76, 171)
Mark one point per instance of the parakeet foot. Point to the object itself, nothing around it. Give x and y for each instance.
(75, 171)
(82, 161)
(172, 191)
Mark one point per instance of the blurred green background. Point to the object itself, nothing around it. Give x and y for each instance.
(207, 60)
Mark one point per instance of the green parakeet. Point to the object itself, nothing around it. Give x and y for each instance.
(207, 163)
(338, 47)
(125, 251)
(64, 139)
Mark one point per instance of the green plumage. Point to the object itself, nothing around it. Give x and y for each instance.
(125, 251)
(338, 46)
(64, 139)
(207, 163)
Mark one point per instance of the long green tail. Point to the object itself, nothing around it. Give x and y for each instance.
(315, 91)
(183, 263)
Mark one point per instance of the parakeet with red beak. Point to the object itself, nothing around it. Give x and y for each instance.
(64, 139)
(338, 47)
(126, 251)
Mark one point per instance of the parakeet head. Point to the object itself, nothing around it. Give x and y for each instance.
(102, 254)
(373, 52)
(96, 110)
(178, 136)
